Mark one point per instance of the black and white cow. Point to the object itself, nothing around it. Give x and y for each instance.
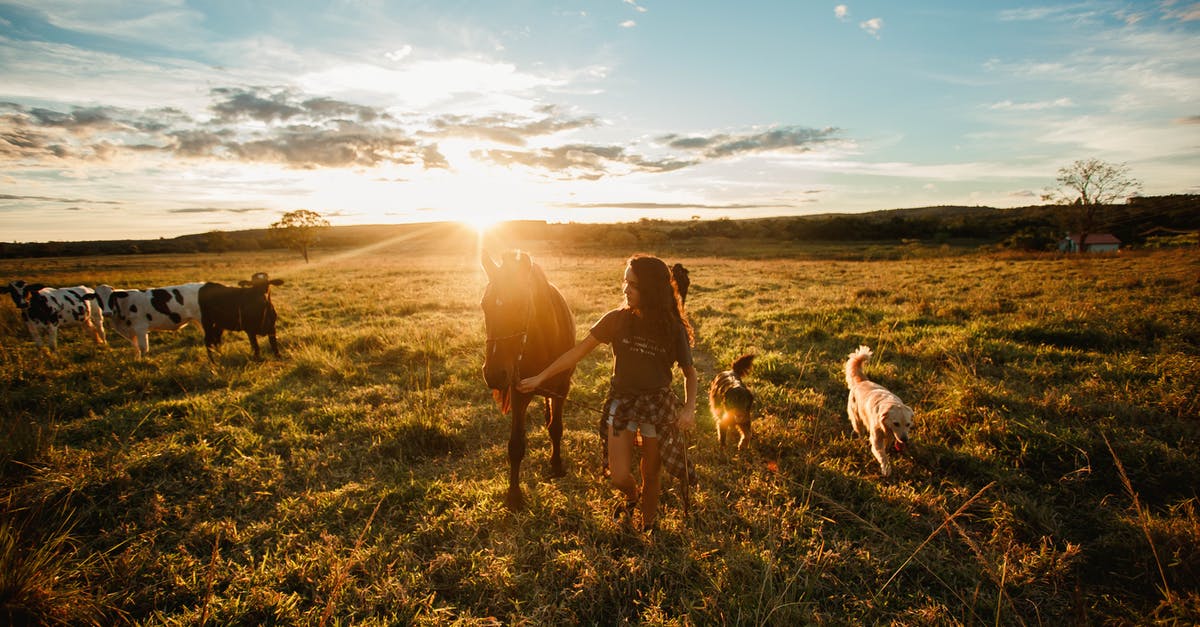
(134, 313)
(247, 308)
(45, 309)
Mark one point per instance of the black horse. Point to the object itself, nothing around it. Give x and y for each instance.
(528, 325)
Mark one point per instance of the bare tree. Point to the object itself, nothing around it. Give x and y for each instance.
(1087, 186)
(299, 230)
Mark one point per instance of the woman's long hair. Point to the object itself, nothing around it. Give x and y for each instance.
(660, 303)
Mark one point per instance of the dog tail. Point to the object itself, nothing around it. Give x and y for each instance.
(741, 365)
(854, 365)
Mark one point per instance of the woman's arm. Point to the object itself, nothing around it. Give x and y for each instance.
(687, 417)
(564, 361)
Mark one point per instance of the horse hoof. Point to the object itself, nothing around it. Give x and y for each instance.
(515, 501)
(557, 470)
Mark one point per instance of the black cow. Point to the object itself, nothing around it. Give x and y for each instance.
(680, 274)
(247, 308)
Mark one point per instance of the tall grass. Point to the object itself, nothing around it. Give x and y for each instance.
(360, 478)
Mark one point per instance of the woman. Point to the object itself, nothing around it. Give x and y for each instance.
(649, 334)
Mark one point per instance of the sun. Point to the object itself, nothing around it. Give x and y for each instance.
(481, 221)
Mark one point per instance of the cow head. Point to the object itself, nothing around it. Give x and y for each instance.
(22, 292)
(108, 299)
(260, 279)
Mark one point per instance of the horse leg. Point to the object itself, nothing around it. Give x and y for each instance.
(554, 423)
(516, 452)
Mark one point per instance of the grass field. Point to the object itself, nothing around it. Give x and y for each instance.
(360, 479)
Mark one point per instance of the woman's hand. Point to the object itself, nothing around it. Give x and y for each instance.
(529, 384)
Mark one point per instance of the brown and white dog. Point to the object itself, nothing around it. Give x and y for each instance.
(876, 411)
(731, 401)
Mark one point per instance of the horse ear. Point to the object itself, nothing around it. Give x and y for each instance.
(525, 260)
(489, 265)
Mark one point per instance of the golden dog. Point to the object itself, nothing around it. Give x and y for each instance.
(876, 411)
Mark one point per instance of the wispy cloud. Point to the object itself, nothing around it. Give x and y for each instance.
(58, 200)
(1008, 105)
(1189, 13)
(628, 24)
(872, 26)
(1047, 13)
(841, 12)
(236, 210)
(726, 145)
(583, 161)
(665, 206)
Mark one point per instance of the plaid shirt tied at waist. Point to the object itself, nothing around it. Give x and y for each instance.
(659, 408)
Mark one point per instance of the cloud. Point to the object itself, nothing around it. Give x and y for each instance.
(510, 129)
(1008, 105)
(636, 7)
(399, 54)
(591, 162)
(667, 206)
(53, 199)
(873, 26)
(1189, 13)
(274, 125)
(219, 210)
(582, 161)
(286, 129)
(841, 12)
(725, 145)
(1191, 119)
(628, 24)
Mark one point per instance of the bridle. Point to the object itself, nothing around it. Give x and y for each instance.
(492, 342)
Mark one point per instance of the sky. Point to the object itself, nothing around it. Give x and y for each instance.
(160, 118)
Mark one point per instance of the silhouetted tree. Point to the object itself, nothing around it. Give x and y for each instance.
(1088, 185)
(299, 230)
(217, 241)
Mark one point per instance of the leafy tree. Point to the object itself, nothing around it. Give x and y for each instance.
(299, 230)
(1087, 186)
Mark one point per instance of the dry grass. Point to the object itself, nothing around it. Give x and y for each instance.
(360, 478)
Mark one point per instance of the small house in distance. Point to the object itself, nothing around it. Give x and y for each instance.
(1096, 243)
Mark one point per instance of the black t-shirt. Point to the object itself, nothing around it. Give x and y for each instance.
(642, 361)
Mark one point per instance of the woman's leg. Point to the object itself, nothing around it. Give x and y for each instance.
(651, 464)
(620, 462)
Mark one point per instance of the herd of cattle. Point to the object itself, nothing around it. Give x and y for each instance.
(213, 307)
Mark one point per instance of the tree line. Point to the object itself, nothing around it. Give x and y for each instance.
(1024, 228)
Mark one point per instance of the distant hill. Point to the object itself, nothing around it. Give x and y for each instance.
(1036, 227)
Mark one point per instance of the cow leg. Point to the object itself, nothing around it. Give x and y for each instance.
(142, 344)
(98, 333)
(212, 340)
(52, 336)
(34, 333)
(516, 452)
(554, 423)
(97, 325)
(253, 344)
(274, 344)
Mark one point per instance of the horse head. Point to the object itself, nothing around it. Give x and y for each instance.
(507, 312)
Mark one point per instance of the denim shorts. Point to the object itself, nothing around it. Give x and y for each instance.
(647, 428)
